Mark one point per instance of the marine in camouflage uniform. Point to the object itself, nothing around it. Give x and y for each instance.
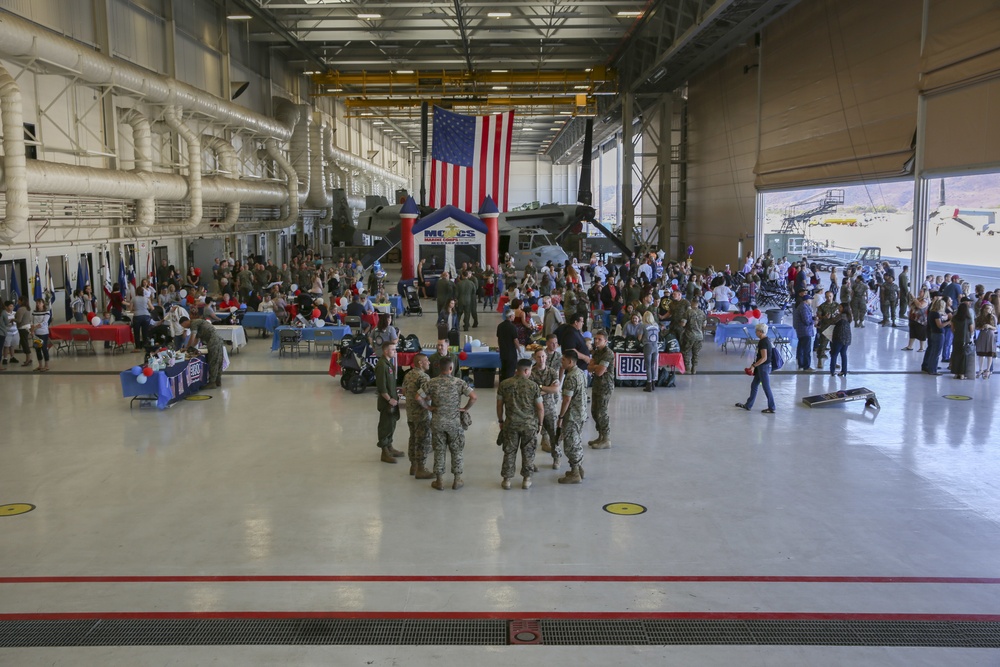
(519, 411)
(465, 300)
(417, 418)
(890, 301)
(859, 301)
(603, 387)
(388, 412)
(245, 279)
(203, 332)
(443, 396)
(544, 375)
(509, 276)
(828, 313)
(573, 412)
(678, 308)
(693, 337)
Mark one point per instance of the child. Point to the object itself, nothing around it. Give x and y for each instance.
(8, 328)
(77, 305)
(488, 289)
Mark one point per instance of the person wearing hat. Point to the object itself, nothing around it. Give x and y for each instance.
(520, 413)
(572, 415)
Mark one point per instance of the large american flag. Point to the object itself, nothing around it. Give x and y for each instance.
(470, 159)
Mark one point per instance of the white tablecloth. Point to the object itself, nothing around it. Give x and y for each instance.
(233, 333)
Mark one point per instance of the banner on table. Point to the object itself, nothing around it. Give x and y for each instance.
(191, 375)
(630, 366)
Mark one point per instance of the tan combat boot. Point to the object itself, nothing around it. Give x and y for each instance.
(546, 447)
(458, 483)
(526, 484)
(423, 473)
(413, 468)
(386, 456)
(505, 484)
(438, 482)
(602, 442)
(595, 440)
(572, 477)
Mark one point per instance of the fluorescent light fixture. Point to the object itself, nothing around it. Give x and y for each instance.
(589, 69)
(581, 87)
(499, 87)
(334, 90)
(404, 71)
(369, 17)
(310, 72)
(565, 113)
(498, 15)
(499, 71)
(378, 122)
(405, 143)
(629, 14)
(239, 17)
(367, 113)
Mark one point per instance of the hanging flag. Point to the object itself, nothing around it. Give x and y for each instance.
(470, 159)
(121, 272)
(50, 287)
(151, 273)
(81, 280)
(69, 290)
(38, 282)
(106, 271)
(15, 289)
(130, 255)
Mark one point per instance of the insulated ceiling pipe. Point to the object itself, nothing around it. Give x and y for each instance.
(22, 39)
(226, 156)
(142, 139)
(173, 118)
(319, 195)
(299, 118)
(15, 220)
(272, 151)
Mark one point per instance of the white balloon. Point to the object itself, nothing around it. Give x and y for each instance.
(95, 321)
(343, 302)
(233, 309)
(318, 322)
(183, 293)
(294, 287)
(477, 343)
(141, 379)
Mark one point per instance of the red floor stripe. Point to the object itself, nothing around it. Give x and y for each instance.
(378, 578)
(499, 615)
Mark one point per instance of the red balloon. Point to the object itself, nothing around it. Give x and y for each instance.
(298, 292)
(756, 312)
(534, 307)
(90, 316)
(463, 356)
(147, 371)
(315, 313)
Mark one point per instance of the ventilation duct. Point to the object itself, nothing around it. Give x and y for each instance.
(228, 162)
(142, 140)
(14, 162)
(319, 195)
(173, 118)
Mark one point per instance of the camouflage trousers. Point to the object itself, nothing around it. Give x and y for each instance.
(214, 362)
(572, 440)
(889, 308)
(446, 439)
(549, 429)
(690, 350)
(599, 411)
(420, 441)
(514, 440)
(859, 309)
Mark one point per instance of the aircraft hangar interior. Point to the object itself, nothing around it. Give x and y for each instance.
(258, 256)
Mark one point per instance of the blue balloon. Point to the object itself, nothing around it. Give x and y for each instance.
(690, 250)
(587, 334)
(137, 370)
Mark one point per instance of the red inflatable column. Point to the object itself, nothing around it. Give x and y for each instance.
(490, 216)
(407, 217)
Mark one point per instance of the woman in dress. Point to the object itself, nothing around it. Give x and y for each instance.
(986, 343)
(918, 321)
(963, 327)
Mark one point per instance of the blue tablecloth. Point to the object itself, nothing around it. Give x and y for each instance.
(267, 321)
(308, 333)
(736, 330)
(397, 304)
(476, 359)
(169, 385)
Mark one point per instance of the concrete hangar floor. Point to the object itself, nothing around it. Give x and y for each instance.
(259, 527)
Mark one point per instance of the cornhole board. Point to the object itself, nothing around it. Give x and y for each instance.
(844, 396)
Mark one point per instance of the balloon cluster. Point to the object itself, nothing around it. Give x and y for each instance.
(142, 374)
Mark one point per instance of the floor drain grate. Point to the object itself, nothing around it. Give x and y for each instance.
(496, 632)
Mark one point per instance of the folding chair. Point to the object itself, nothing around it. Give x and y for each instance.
(354, 322)
(323, 338)
(783, 344)
(289, 340)
(80, 339)
(711, 323)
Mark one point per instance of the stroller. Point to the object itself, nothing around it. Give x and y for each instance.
(357, 374)
(413, 301)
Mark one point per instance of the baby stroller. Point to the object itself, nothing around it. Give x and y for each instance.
(413, 301)
(357, 374)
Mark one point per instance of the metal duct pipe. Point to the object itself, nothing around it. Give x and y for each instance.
(319, 194)
(55, 178)
(15, 165)
(22, 39)
(346, 160)
(172, 116)
(142, 139)
(230, 163)
(299, 153)
(292, 211)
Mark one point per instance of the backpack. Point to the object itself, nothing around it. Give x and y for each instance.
(776, 361)
(409, 343)
(671, 344)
